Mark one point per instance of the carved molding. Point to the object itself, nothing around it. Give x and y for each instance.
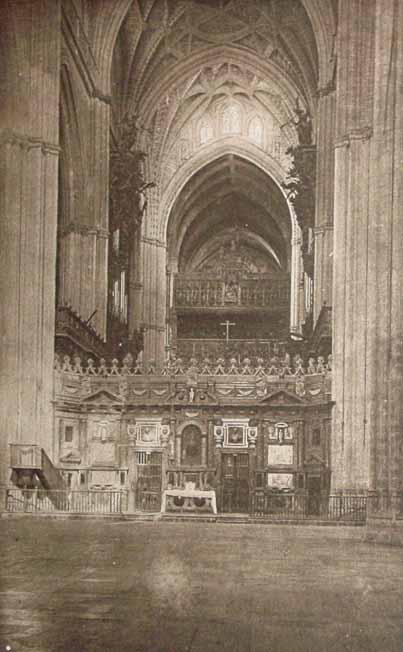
(320, 230)
(154, 241)
(326, 90)
(362, 133)
(99, 95)
(10, 137)
(82, 229)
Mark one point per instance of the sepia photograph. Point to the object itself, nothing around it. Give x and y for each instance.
(201, 320)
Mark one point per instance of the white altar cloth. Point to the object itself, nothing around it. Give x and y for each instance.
(189, 493)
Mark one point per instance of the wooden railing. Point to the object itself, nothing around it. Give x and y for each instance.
(149, 501)
(73, 333)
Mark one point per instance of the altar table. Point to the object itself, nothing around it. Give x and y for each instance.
(188, 494)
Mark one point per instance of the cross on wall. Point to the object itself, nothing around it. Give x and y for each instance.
(227, 325)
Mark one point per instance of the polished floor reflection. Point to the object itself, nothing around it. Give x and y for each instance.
(86, 586)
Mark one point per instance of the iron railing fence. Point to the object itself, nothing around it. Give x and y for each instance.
(263, 504)
(78, 502)
(149, 501)
(346, 508)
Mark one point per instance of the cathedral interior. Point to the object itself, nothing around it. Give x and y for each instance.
(202, 255)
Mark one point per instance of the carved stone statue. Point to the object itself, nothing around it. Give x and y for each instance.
(259, 371)
(220, 369)
(115, 368)
(311, 366)
(246, 367)
(303, 125)
(91, 369)
(233, 367)
(206, 367)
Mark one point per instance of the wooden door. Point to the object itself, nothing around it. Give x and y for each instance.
(235, 482)
(149, 476)
(314, 494)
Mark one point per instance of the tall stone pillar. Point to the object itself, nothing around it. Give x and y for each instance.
(297, 312)
(154, 299)
(135, 286)
(83, 232)
(368, 331)
(352, 259)
(100, 208)
(324, 200)
(29, 111)
(385, 270)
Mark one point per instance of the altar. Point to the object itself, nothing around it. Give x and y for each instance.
(189, 500)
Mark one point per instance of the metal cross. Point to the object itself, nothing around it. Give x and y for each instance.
(227, 325)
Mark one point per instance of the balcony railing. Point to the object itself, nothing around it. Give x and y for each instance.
(74, 335)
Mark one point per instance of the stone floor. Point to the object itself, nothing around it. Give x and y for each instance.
(84, 586)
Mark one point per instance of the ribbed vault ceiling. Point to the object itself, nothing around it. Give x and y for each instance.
(197, 73)
(230, 195)
(157, 35)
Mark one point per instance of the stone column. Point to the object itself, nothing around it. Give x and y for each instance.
(178, 449)
(84, 234)
(135, 286)
(154, 299)
(296, 317)
(100, 207)
(204, 448)
(129, 440)
(29, 113)
(385, 270)
(367, 446)
(324, 201)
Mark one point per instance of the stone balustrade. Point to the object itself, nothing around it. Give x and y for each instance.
(221, 366)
